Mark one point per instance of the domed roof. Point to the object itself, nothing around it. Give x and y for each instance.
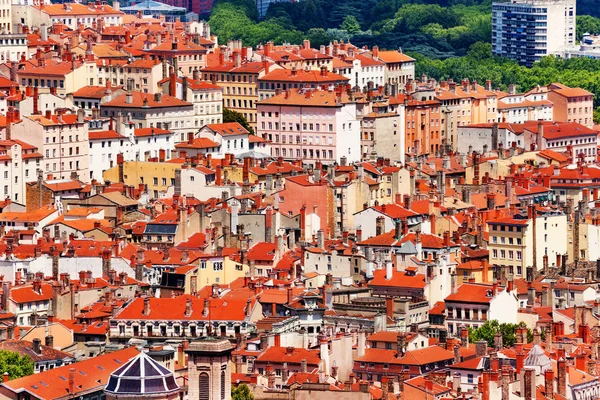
(141, 375)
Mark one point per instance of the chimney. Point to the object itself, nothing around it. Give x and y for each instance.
(549, 383)
(398, 229)
(481, 348)
(50, 341)
(529, 383)
(71, 380)
(520, 360)
(389, 270)
(146, 305)
(561, 386)
(205, 310)
(464, 336)
(400, 344)
(498, 345)
(37, 346)
(456, 351)
(188, 307)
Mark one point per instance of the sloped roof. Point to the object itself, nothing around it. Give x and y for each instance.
(143, 376)
(90, 375)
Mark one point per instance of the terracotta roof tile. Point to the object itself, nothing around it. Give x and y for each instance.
(138, 98)
(90, 375)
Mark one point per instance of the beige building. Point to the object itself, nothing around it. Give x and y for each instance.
(159, 110)
(58, 76)
(142, 75)
(206, 98)
(62, 139)
(73, 15)
(518, 242)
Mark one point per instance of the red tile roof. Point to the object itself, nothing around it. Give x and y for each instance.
(228, 128)
(279, 355)
(473, 293)
(303, 76)
(399, 279)
(90, 375)
(394, 56)
(225, 309)
(197, 143)
(138, 98)
(395, 211)
(428, 241)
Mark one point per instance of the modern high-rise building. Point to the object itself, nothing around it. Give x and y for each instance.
(527, 30)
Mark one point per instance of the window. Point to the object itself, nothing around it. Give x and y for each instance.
(204, 384)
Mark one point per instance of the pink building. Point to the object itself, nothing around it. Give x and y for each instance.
(310, 125)
(572, 104)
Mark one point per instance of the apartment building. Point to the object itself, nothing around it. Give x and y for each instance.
(142, 75)
(240, 83)
(18, 164)
(12, 45)
(61, 138)
(206, 97)
(283, 79)
(156, 110)
(572, 104)
(399, 68)
(73, 15)
(185, 55)
(57, 76)
(527, 30)
(312, 125)
(472, 304)
(521, 241)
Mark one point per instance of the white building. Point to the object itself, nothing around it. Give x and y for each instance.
(73, 14)
(133, 144)
(12, 45)
(61, 138)
(589, 47)
(527, 30)
(20, 161)
(156, 110)
(231, 137)
(521, 107)
(206, 98)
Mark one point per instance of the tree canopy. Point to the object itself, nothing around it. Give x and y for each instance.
(16, 365)
(234, 116)
(241, 392)
(488, 330)
(436, 28)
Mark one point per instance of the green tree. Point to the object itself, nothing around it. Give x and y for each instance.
(318, 37)
(15, 364)
(488, 330)
(597, 115)
(587, 24)
(234, 116)
(242, 392)
(350, 24)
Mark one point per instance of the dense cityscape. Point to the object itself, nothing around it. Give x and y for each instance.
(273, 200)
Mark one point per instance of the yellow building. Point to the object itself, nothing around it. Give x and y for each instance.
(156, 175)
(214, 268)
(477, 271)
(240, 83)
